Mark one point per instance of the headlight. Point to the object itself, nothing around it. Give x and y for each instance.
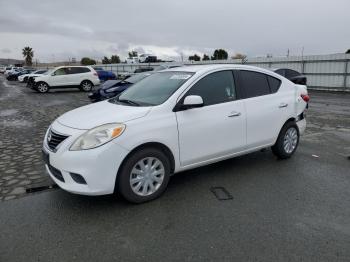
(98, 136)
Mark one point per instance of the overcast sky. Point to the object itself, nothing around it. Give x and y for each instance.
(58, 30)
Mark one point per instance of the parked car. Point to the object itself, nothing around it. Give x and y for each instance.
(292, 75)
(16, 73)
(171, 121)
(11, 70)
(2, 69)
(147, 58)
(143, 69)
(82, 77)
(24, 77)
(111, 88)
(105, 75)
(132, 60)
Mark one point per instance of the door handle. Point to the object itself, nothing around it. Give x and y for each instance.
(234, 114)
(282, 105)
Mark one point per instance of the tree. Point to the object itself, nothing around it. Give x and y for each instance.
(194, 57)
(115, 59)
(87, 61)
(347, 52)
(219, 54)
(205, 57)
(106, 60)
(133, 54)
(28, 54)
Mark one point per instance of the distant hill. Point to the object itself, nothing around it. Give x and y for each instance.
(9, 61)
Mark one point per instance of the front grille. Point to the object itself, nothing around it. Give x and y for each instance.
(54, 139)
(56, 173)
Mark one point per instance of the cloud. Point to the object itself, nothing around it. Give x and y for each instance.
(173, 28)
(6, 50)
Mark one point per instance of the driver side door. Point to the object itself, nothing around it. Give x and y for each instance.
(218, 128)
(59, 77)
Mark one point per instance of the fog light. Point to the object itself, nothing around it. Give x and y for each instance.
(78, 178)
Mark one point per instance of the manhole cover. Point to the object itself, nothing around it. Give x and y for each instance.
(221, 193)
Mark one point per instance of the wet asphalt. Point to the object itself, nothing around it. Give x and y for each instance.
(291, 210)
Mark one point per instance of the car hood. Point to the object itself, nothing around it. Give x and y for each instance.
(40, 77)
(100, 113)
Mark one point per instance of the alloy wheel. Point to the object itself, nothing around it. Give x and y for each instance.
(86, 86)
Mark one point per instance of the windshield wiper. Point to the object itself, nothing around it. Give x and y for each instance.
(130, 102)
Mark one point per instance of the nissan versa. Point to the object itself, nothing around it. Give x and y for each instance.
(172, 121)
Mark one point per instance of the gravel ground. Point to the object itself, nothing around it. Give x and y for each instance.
(24, 118)
(25, 115)
(293, 210)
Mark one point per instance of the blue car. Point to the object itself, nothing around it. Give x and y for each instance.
(105, 75)
(112, 88)
(14, 76)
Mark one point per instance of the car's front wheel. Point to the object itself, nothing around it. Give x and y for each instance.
(287, 141)
(86, 86)
(144, 176)
(42, 87)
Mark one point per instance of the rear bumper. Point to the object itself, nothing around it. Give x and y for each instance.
(302, 126)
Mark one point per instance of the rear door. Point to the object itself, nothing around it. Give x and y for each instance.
(80, 74)
(267, 107)
(218, 128)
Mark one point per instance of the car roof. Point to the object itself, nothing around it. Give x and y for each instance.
(211, 67)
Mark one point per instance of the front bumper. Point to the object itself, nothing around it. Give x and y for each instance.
(98, 166)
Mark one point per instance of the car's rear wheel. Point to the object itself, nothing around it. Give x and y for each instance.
(287, 141)
(86, 86)
(42, 87)
(144, 175)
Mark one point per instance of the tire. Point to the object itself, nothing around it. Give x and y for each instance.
(42, 87)
(287, 141)
(86, 86)
(131, 169)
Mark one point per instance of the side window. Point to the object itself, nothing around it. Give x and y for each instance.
(291, 73)
(274, 84)
(83, 70)
(78, 70)
(254, 84)
(59, 72)
(215, 88)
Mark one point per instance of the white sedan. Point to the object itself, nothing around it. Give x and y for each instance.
(171, 121)
(24, 78)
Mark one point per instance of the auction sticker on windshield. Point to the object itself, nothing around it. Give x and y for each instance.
(180, 77)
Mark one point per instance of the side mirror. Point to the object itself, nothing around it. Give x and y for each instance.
(52, 74)
(192, 102)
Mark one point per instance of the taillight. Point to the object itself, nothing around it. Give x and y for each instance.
(306, 98)
(95, 74)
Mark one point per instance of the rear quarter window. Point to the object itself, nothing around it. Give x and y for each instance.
(274, 83)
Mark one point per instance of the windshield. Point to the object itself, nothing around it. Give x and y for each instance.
(136, 78)
(50, 71)
(153, 90)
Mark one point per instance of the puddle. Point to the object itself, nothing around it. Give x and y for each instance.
(8, 112)
(16, 123)
(55, 103)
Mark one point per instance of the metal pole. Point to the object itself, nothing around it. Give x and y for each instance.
(345, 73)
